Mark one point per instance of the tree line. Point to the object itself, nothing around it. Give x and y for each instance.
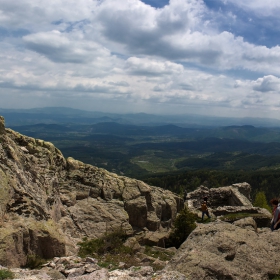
(267, 181)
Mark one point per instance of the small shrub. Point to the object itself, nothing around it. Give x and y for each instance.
(109, 250)
(112, 242)
(34, 261)
(6, 274)
(161, 255)
(184, 224)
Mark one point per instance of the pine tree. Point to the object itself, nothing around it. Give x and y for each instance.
(260, 201)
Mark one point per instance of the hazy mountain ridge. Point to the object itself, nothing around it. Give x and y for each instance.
(245, 132)
(70, 115)
(137, 150)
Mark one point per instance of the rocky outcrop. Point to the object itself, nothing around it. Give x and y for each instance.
(234, 195)
(47, 199)
(227, 202)
(222, 250)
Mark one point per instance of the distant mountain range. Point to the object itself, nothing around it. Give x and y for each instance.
(64, 115)
(246, 132)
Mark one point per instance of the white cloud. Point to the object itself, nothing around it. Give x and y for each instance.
(61, 47)
(147, 67)
(265, 8)
(131, 52)
(37, 15)
(267, 83)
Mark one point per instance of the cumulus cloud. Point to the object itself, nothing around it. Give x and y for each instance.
(148, 67)
(127, 50)
(59, 47)
(267, 83)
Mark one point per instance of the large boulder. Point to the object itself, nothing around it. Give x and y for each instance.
(222, 250)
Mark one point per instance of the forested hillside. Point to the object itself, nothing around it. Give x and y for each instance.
(170, 156)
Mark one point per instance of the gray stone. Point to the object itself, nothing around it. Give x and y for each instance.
(73, 272)
(248, 223)
(96, 275)
(55, 275)
(221, 250)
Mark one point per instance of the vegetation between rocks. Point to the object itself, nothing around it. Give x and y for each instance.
(237, 216)
(6, 274)
(108, 243)
(34, 261)
(163, 256)
(184, 224)
(111, 252)
(108, 249)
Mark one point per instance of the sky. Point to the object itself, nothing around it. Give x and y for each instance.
(209, 57)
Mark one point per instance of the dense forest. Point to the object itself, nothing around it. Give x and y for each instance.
(266, 181)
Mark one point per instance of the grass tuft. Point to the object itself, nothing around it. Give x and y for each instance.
(6, 274)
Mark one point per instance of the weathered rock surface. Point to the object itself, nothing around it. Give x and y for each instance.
(234, 195)
(234, 199)
(76, 268)
(221, 250)
(48, 203)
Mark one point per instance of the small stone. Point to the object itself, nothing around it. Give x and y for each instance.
(91, 260)
(91, 268)
(52, 264)
(122, 265)
(60, 267)
(75, 272)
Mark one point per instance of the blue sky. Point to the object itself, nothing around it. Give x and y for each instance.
(216, 57)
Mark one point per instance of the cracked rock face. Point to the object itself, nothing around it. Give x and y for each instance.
(47, 199)
(221, 250)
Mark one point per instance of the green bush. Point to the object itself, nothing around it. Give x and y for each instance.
(6, 274)
(184, 224)
(112, 242)
(260, 201)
